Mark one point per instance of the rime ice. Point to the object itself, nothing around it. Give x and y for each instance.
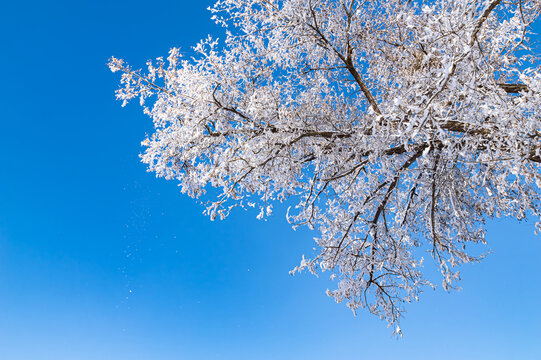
(391, 125)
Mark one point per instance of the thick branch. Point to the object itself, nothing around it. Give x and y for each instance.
(513, 88)
(482, 20)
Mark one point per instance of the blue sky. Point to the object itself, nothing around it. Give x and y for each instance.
(101, 260)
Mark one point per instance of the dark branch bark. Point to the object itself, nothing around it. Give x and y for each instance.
(513, 88)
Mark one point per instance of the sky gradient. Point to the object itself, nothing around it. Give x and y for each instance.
(101, 260)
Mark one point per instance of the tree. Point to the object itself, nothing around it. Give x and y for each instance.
(390, 127)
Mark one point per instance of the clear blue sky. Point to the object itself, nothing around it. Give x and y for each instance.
(101, 260)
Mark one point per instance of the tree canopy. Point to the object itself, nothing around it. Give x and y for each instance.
(392, 129)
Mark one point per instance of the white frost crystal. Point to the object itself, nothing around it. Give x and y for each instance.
(389, 126)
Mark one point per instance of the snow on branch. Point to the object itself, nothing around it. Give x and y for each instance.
(390, 127)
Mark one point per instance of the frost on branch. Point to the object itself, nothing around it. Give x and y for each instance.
(391, 127)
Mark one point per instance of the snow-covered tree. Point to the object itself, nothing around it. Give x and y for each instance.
(393, 128)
